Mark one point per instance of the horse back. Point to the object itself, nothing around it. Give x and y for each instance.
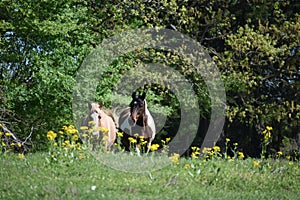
(123, 116)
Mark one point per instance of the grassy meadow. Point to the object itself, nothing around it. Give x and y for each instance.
(69, 170)
(32, 177)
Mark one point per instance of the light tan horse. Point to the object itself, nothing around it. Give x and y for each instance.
(104, 129)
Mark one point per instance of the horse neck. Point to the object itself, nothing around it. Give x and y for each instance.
(101, 113)
(141, 121)
(147, 112)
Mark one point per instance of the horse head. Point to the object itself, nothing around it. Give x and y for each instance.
(137, 108)
(94, 114)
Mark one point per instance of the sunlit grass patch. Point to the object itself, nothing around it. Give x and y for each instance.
(188, 178)
(131, 163)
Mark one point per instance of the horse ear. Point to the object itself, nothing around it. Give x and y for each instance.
(143, 95)
(134, 95)
(100, 106)
(90, 106)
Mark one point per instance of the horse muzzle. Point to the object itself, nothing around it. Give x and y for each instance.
(132, 121)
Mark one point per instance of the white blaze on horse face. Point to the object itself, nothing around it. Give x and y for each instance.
(95, 117)
(95, 107)
(135, 113)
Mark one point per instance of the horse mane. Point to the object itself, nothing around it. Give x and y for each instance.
(111, 114)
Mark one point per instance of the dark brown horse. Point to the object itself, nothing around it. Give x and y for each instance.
(136, 121)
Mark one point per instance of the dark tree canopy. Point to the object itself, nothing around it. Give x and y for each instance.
(255, 45)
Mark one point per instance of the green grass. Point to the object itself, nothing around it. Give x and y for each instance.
(35, 178)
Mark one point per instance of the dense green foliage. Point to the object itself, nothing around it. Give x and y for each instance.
(254, 44)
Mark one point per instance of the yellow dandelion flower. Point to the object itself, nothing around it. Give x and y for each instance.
(120, 134)
(175, 158)
(217, 148)
(162, 141)
(235, 144)
(72, 127)
(71, 131)
(81, 156)
(55, 144)
(51, 135)
(84, 135)
(211, 153)
(12, 144)
(3, 144)
(142, 138)
(8, 134)
(154, 147)
(269, 128)
(1, 133)
(95, 129)
(231, 159)
(84, 128)
(168, 139)
(268, 135)
(187, 166)
(19, 144)
(291, 163)
(91, 123)
(132, 140)
(256, 163)
(279, 153)
(195, 149)
(227, 140)
(206, 150)
(105, 138)
(194, 155)
(104, 130)
(241, 155)
(136, 135)
(75, 137)
(78, 147)
(60, 132)
(21, 155)
(144, 142)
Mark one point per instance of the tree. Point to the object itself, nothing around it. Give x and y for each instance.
(254, 44)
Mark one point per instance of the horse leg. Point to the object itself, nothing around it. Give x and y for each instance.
(137, 148)
(148, 149)
(125, 141)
